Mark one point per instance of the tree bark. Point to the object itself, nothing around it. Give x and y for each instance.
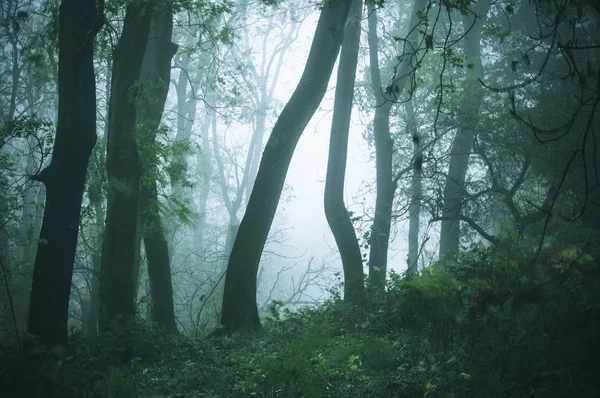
(239, 301)
(460, 152)
(64, 178)
(116, 294)
(335, 209)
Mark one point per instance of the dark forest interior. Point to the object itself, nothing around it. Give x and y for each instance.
(277, 198)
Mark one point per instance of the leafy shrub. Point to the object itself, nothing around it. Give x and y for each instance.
(515, 321)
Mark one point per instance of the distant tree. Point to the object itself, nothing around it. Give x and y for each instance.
(416, 190)
(385, 98)
(462, 145)
(239, 300)
(64, 178)
(123, 168)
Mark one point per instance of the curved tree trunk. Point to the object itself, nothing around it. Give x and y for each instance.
(155, 77)
(117, 291)
(460, 152)
(239, 301)
(335, 209)
(64, 178)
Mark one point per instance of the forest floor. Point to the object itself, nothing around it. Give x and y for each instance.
(482, 323)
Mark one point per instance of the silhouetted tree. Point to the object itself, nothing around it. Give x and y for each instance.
(64, 178)
(239, 300)
(117, 279)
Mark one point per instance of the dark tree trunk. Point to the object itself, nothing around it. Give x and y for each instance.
(239, 301)
(64, 178)
(335, 209)
(155, 77)
(116, 294)
(157, 254)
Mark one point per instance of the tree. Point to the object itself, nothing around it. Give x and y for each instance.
(261, 78)
(64, 178)
(123, 170)
(154, 79)
(385, 98)
(335, 209)
(416, 191)
(462, 145)
(239, 300)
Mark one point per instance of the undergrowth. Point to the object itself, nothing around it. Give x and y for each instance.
(504, 321)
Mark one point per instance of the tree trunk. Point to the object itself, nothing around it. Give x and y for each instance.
(414, 210)
(204, 169)
(27, 230)
(239, 301)
(460, 152)
(155, 78)
(335, 209)
(384, 145)
(116, 294)
(186, 117)
(64, 178)
(91, 320)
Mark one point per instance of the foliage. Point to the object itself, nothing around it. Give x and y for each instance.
(117, 386)
(514, 321)
(503, 321)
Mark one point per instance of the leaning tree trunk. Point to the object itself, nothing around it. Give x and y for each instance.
(384, 144)
(64, 178)
(335, 209)
(460, 152)
(155, 78)
(239, 301)
(116, 294)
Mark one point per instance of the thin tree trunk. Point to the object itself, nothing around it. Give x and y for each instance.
(384, 144)
(462, 145)
(335, 209)
(64, 178)
(204, 168)
(186, 117)
(239, 301)
(28, 232)
(414, 210)
(116, 295)
(91, 324)
(155, 77)
(27, 229)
